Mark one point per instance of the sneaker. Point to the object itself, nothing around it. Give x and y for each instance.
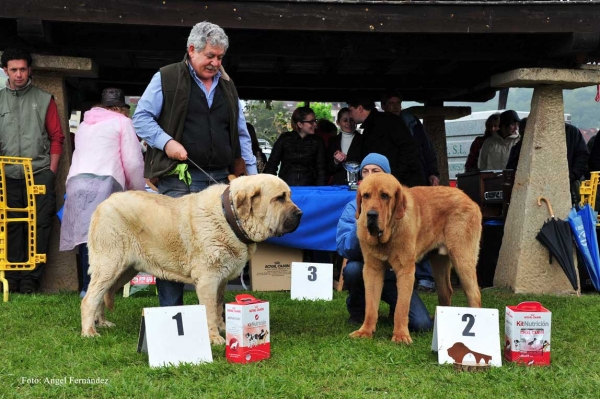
(25, 288)
(28, 286)
(423, 288)
(82, 294)
(426, 286)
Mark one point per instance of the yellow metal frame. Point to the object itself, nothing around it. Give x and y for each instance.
(32, 191)
(588, 191)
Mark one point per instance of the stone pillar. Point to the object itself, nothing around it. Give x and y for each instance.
(49, 73)
(61, 268)
(434, 118)
(523, 263)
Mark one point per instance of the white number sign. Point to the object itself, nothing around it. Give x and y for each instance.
(175, 334)
(312, 281)
(467, 336)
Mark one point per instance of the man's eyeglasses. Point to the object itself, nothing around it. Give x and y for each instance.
(313, 122)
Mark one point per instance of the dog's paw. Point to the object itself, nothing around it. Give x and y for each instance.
(217, 340)
(89, 333)
(361, 334)
(104, 323)
(402, 339)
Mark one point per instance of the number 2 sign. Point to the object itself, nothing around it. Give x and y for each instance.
(467, 336)
(312, 281)
(175, 334)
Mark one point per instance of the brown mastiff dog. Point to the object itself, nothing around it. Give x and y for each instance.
(397, 226)
(203, 239)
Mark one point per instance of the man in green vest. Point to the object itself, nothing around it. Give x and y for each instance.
(190, 116)
(29, 128)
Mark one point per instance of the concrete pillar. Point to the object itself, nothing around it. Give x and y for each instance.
(49, 73)
(523, 263)
(434, 118)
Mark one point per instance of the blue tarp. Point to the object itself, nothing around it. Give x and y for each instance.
(322, 207)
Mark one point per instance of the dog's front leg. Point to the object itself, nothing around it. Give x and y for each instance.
(207, 289)
(220, 305)
(405, 279)
(373, 273)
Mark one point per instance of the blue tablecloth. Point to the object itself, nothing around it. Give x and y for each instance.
(322, 207)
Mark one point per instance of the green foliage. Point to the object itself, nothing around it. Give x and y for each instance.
(311, 354)
(269, 118)
(322, 110)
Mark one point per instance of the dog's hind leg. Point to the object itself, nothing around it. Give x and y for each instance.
(124, 278)
(464, 259)
(109, 298)
(441, 267)
(106, 270)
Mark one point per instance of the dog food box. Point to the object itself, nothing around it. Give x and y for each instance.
(271, 267)
(247, 330)
(527, 334)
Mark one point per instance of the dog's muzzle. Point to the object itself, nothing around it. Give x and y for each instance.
(372, 223)
(292, 222)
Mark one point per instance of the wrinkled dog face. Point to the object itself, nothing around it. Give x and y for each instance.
(379, 200)
(264, 206)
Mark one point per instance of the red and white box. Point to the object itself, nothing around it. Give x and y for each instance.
(527, 333)
(247, 330)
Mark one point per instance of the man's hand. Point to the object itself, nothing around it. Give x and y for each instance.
(175, 151)
(434, 181)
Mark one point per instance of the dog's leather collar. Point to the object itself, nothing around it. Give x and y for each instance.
(232, 218)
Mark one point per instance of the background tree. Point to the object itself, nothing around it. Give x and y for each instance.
(322, 110)
(269, 118)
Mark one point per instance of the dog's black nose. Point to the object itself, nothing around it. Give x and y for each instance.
(372, 214)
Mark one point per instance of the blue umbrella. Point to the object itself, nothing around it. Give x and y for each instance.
(588, 219)
(582, 242)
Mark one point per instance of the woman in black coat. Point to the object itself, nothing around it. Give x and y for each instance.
(345, 147)
(300, 153)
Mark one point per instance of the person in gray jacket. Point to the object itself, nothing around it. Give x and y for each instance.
(29, 128)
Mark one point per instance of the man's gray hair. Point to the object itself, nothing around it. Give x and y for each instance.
(206, 33)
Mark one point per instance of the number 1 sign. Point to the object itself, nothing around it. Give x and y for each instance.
(467, 336)
(312, 281)
(175, 334)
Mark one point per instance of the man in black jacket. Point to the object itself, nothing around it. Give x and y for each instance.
(387, 134)
(391, 102)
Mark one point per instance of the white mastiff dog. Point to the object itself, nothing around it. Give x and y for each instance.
(203, 239)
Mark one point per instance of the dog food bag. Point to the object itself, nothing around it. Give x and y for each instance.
(527, 334)
(247, 330)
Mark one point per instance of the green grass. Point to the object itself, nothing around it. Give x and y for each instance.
(311, 355)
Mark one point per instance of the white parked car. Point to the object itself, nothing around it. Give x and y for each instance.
(264, 145)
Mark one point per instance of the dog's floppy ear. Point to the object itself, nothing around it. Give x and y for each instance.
(243, 200)
(400, 203)
(358, 203)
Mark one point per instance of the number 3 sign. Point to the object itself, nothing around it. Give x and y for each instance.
(467, 336)
(175, 334)
(312, 281)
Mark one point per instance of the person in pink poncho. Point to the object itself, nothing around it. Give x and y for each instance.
(107, 159)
